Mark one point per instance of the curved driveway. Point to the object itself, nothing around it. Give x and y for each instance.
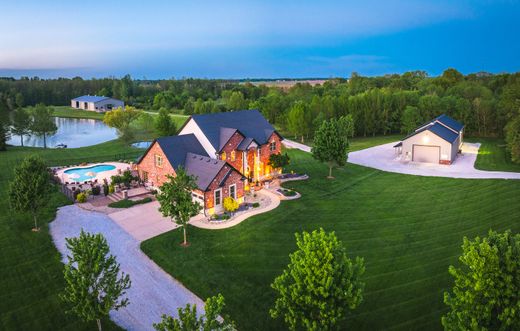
(153, 291)
(383, 157)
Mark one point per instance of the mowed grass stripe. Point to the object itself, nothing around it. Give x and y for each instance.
(409, 229)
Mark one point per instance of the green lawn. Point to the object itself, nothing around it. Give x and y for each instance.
(66, 111)
(359, 143)
(492, 155)
(409, 229)
(30, 269)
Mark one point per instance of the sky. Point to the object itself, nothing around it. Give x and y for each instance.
(256, 39)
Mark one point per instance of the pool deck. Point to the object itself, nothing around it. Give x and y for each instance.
(119, 168)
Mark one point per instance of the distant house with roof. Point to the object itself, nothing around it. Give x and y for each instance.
(96, 103)
(438, 141)
(225, 151)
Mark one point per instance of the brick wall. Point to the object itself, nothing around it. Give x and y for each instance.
(156, 175)
(265, 153)
(231, 146)
(234, 178)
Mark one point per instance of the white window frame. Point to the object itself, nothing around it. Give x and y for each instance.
(158, 160)
(234, 186)
(215, 197)
(273, 146)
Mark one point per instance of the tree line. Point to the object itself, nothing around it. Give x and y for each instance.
(488, 104)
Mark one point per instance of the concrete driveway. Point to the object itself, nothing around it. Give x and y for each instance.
(383, 157)
(153, 291)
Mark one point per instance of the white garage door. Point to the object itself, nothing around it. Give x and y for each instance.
(428, 154)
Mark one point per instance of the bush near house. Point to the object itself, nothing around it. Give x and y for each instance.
(82, 197)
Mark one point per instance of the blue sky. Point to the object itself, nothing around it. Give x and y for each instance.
(256, 39)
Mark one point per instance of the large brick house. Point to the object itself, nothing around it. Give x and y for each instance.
(244, 139)
(224, 151)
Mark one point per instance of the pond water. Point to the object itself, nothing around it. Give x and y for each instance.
(73, 132)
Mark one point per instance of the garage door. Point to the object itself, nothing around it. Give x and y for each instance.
(428, 154)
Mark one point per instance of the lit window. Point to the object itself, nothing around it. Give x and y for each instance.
(224, 156)
(158, 161)
(232, 156)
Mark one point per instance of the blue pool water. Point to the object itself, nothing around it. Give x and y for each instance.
(80, 174)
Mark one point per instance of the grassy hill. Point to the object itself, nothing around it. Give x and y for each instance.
(409, 229)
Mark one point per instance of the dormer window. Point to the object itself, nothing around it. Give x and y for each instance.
(232, 156)
(158, 161)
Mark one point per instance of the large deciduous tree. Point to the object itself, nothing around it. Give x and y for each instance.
(164, 125)
(94, 285)
(21, 123)
(43, 122)
(513, 138)
(331, 144)
(176, 200)
(121, 119)
(320, 283)
(485, 295)
(188, 320)
(411, 119)
(29, 187)
(298, 120)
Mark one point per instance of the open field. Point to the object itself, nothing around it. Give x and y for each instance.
(288, 83)
(66, 111)
(30, 267)
(409, 229)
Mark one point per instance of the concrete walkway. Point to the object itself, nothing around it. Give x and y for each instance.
(153, 291)
(383, 157)
(273, 203)
(293, 144)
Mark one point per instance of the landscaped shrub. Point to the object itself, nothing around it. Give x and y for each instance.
(230, 204)
(75, 193)
(126, 203)
(105, 189)
(111, 189)
(81, 197)
(96, 190)
(256, 205)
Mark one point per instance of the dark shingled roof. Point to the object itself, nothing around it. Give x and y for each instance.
(244, 144)
(250, 123)
(439, 130)
(450, 122)
(176, 147)
(443, 132)
(225, 135)
(204, 168)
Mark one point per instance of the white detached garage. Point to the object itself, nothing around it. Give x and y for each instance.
(438, 141)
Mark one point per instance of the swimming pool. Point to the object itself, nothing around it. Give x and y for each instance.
(87, 173)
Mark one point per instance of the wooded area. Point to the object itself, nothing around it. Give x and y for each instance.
(484, 102)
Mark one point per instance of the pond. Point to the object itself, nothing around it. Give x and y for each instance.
(73, 132)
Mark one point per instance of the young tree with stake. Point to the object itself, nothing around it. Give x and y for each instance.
(176, 200)
(93, 286)
(331, 144)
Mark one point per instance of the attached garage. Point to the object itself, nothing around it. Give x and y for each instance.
(427, 154)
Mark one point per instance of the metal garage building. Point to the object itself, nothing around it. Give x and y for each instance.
(438, 141)
(96, 103)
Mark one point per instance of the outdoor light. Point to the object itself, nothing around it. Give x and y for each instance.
(426, 139)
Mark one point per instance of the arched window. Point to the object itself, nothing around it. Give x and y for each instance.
(232, 156)
(223, 156)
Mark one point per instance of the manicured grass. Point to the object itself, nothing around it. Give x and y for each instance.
(31, 271)
(126, 203)
(492, 155)
(409, 229)
(66, 111)
(359, 143)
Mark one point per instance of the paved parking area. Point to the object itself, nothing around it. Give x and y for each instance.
(383, 157)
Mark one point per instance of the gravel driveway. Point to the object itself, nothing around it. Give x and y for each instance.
(153, 291)
(383, 157)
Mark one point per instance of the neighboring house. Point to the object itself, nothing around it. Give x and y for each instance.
(438, 141)
(216, 179)
(244, 139)
(96, 103)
